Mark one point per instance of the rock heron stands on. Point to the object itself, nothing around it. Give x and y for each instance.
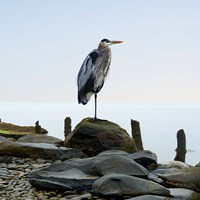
(93, 72)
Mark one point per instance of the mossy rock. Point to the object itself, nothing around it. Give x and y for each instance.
(10, 130)
(93, 137)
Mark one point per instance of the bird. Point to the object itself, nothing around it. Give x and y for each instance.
(93, 72)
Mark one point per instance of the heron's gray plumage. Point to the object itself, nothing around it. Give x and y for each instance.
(93, 71)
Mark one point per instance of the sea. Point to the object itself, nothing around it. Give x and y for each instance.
(159, 123)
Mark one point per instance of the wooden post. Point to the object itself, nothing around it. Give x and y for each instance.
(136, 134)
(181, 146)
(37, 128)
(67, 126)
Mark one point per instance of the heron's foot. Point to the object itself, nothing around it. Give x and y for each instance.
(95, 119)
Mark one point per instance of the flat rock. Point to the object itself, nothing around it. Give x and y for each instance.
(37, 138)
(186, 178)
(120, 185)
(152, 197)
(184, 194)
(101, 165)
(38, 150)
(93, 137)
(105, 164)
(73, 179)
(97, 166)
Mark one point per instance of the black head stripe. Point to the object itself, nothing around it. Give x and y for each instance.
(105, 40)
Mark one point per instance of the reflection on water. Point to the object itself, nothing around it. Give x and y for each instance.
(159, 123)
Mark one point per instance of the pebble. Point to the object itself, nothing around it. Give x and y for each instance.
(14, 183)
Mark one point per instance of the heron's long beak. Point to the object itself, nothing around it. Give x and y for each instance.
(116, 42)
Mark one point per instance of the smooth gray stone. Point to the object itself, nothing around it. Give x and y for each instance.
(184, 194)
(145, 158)
(38, 150)
(102, 165)
(73, 179)
(123, 185)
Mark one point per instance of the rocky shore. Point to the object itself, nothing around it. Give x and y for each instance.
(97, 160)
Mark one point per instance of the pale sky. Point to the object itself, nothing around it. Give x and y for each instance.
(44, 42)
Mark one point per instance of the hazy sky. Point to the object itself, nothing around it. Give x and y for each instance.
(44, 42)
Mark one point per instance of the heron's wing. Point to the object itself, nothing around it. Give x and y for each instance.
(86, 78)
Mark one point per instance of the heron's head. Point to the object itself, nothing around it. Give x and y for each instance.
(107, 42)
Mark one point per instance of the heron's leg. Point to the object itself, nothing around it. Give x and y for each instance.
(95, 101)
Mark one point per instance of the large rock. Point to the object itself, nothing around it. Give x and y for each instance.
(145, 158)
(101, 165)
(184, 194)
(186, 178)
(93, 137)
(37, 138)
(106, 164)
(120, 185)
(38, 150)
(73, 179)
(94, 166)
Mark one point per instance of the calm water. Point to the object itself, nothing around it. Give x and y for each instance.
(159, 123)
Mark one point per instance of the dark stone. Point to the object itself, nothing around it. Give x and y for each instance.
(101, 165)
(119, 185)
(73, 179)
(6, 159)
(38, 150)
(117, 164)
(145, 158)
(186, 178)
(93, 137)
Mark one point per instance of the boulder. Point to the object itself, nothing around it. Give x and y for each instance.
(184, 194)
(93, 166)
(186, 178)
(38, 150)
(73, 179)
(101, 165)
(105, 164)
(145, 158)
(119, 185)
(37, 138)
(93, 137)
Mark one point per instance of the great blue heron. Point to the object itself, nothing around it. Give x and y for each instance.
(93, 72)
